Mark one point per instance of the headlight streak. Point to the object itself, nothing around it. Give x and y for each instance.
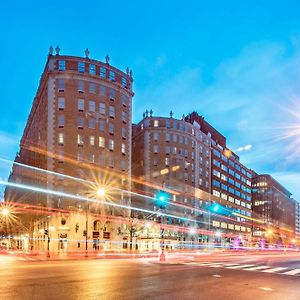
(177, 204)
(66, 195)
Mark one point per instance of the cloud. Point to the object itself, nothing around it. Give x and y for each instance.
(244, 148)
(253, 99)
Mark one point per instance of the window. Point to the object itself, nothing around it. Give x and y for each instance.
(79, 139)
(61, 85)
(180, 139)
(92, 140)
(92, 158)
(168, 124)
(123, 131)
(216, 163)
(111, 128)
(155, 149)
(111, 163)
(92, 69)
(231, 172)
(223, 177)
(224, 187)
(92, 123)
(124, 82)
(80, 104)
(92, 106)
(112, 111)
(174, 150)
(61, 103)
(102, 72)
(112, 75)
(167, 149)
(123, 165)
(224, 168)
(101, 125)
(80, 122)
(92, 88)
(186, 140)
(102, 108)
(101, 142)
(112, 94)
(216, 183)
(167, 161)
(61, 65)
(80, 86)
(79, 156)
(61, 121)
(168, 137)
(216, 193)
(124, 100)
(124, 116)
(174, 137)
(111, 145)
(102, 90)
(60, 138)
(81, 67)
(123, 148)
(216, 173)
(155, 123)
(174, 125)
(155, 161)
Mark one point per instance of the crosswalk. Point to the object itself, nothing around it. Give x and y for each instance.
(248, 267)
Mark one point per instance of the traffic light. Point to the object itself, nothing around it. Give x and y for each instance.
(216, 207)
(162, 199)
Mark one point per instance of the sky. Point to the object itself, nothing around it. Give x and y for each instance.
(237, 63)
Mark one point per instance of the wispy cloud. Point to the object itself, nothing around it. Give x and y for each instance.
(253, 100)
(244, 148)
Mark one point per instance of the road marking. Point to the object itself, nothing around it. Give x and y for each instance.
(257, 268)
(240, 266)
(217, 275)
(292, 272)
(274, 270)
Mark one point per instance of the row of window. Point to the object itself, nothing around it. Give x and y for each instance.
(231, 163)
(225, 225)
(231, 190)
(177, 125)
(92, 70)
(231, 199)
(231, 181)
(92, 142)
(92, 89)
(231, 172)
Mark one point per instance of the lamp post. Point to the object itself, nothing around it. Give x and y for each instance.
(100, 192)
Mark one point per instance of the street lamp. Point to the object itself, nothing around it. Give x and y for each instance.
(5, 212)
(101, 193)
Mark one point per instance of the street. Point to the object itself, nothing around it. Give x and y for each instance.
(214, 276)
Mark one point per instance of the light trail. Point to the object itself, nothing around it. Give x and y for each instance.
(177, 204)
(77, 197)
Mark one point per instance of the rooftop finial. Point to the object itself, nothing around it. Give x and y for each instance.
(51, 50)
(183, 117)
(151, 112)
(127, 71)
(87, 53)
(107, 59)
(144, 115)
(130, 73)
(147, 112)
(171, 114)
(57, 50)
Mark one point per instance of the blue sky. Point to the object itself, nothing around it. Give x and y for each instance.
(235, 62)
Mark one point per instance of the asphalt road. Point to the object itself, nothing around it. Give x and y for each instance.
(144, 279)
